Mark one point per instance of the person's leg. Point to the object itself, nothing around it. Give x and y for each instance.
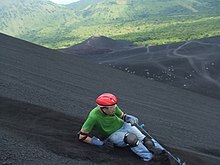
(143, 152)
(137, 132)
(155, 146)
(117, 138)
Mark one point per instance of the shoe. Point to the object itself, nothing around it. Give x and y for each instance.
(161, 158)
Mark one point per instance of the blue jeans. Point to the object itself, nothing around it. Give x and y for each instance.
(117, 138)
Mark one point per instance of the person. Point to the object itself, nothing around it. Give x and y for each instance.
(117, 128)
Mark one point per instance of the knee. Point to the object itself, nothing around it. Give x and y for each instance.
(148, 143)
(131, 139)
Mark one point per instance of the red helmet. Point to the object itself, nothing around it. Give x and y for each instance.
(106, 99)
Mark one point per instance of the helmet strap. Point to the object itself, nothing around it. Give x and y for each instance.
(103, 110)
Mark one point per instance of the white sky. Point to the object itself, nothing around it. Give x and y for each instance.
(64, 1)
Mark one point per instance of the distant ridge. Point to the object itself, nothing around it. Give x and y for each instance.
(82, 4)
(98, 45)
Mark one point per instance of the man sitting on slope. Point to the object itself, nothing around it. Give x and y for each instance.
(117, 127)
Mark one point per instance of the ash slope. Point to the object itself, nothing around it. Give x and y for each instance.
(46, 95)
(192, 65)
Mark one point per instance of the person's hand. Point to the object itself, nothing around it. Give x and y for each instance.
(105, 145)
(96, 141)
(131, 119)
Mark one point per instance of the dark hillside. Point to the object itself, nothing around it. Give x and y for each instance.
(45, 96)
(192, 65)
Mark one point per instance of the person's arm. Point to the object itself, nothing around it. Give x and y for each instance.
(122, 115)
(84, 137)
(84, 133)
(127, 118)
(119, 113)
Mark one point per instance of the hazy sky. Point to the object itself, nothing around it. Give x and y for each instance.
(64, 1)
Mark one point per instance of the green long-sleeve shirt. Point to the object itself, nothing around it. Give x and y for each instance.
(105, 124)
